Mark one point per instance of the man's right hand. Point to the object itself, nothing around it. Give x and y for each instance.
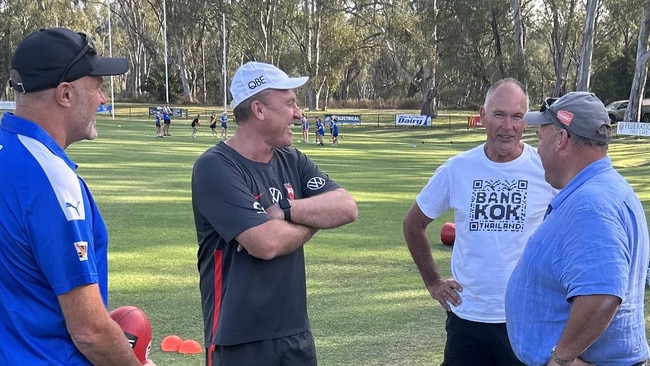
(446, 291)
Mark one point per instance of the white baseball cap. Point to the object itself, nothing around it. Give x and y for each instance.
(254, 77)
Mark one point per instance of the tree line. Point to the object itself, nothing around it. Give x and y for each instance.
(433, 53)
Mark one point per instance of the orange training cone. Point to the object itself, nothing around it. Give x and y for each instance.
(190, 346)
(171, 343)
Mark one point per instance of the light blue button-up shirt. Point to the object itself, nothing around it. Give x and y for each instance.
(593, 241)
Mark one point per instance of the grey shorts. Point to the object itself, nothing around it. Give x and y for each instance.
(294, 350)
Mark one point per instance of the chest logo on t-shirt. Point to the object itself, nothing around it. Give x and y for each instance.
(498, 205)
(276, 194)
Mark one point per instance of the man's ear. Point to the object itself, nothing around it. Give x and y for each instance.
(257, 109)
(562, 143)
(64, 94)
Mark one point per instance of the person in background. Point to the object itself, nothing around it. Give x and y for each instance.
(158, 115)
(320, 131)
(167, 119)
(498, 195)
(224, 125)
(335, 132)
(328, 121)
(213, 124)
(257, 202)
(196, 122)
(576, 295)
(304, 127)
(53, 240)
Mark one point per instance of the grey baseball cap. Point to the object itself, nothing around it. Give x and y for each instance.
(580, 113)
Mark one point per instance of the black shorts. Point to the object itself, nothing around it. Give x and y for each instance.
(294, 350)
(472, 343)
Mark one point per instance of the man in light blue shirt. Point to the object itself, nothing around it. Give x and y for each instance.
(576, 295)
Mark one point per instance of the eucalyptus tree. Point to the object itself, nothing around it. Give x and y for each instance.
(257, 29)
(141, 24)
(584, 70)
(467, 63)
(406, 33)
(633, 111)
(18, 18)
(519, 62)
(556, 29)
(188, 25)
(326, 42)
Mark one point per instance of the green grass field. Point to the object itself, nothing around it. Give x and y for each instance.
(367, 303)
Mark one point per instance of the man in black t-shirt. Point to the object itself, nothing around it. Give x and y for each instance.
(195, 125)
(256, 202)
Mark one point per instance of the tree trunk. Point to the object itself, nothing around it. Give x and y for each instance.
(429, 71)
(497, 38)
(519, 67)
(429, 91)
(633, 111)
(584, 71)
(182, 72)
(560, 39)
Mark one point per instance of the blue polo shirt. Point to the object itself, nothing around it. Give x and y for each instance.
(52, 240)
(593, 241)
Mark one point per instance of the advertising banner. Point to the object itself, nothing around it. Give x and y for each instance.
(7, 105)
(412, 120)
(104, 109)
(474, 121)
(633, 128)
(345, 118)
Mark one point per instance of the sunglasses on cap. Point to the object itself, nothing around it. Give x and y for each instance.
(546, 106)
(89, 48)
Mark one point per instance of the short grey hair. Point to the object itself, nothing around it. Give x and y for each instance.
(243, 110)
(504, 81)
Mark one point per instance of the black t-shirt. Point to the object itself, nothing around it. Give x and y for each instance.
(244, 298)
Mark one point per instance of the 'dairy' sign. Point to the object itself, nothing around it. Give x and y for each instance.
(412, 120)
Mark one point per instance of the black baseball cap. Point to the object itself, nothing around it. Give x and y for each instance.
(51, 56)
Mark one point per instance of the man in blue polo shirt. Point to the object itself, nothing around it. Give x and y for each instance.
(53, 241)
(576, 295)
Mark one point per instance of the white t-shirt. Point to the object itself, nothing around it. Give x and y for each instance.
(497, 207)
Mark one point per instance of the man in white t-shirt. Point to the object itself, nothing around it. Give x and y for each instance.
(499, 196)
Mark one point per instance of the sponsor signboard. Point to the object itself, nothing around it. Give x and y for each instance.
(412, 120)
(345, 118)
(7, 105)
(474, 121)
(105, 109)
(633, 128)
(176, 112)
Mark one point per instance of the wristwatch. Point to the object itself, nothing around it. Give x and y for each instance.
(285, 205)
(558, 360)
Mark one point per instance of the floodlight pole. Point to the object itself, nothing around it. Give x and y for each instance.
(166, 69)
(110, 54)
(223, 63)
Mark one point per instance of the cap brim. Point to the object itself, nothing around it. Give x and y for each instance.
(538, 118)
(290, 83)
(109, 66)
